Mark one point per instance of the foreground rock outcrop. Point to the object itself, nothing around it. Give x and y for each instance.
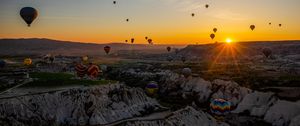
(183, 117)
(85, 106)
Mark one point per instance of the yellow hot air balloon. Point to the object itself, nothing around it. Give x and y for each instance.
(27, 61)
(85, 59)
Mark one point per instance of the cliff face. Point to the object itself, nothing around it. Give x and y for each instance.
(87, 106)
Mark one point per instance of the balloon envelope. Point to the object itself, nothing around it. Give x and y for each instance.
(151, 88)
(220, 106)
(212, 36)
(267, 52)
(168, 48)
(215, 30)
(93, 71)
(107, 49)
(27, 61)
(252, 27)
(28, 14)
(186, 72)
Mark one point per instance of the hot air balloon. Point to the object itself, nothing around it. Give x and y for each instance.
(85, 59)
(151, 88)
(186, 72)
(206, 6)
(193, 14)
(27, 61)
(168, 48)
(132, 40)
(220, 106)
(107, 49)
(252, 27)
(270, 23)
(279, 25)
(127, 20)
(114, 2)
(267, 52)
(126, 41)
(80, 70)
(93, 71)
(28, 14)
(2, 63)
(150, 41)
(212, 36)
(215, 30)
(146, 37)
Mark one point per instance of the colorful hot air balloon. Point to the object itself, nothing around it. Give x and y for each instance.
(212, 36)
(93, 71)
(2, 63)
(186, 72)
(220, 106)
(132, 40)
(267, 52)
(151, 88)
(80, 70)
(28, 14)
(27, 61)
(252, 27)
(107, 49)
(215, 30)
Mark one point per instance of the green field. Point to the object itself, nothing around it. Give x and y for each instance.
(61, 79)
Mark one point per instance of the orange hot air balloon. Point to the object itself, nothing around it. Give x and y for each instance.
(107, 49)
(212, 36)
(28, 14)
(252, 27)
(169, 48)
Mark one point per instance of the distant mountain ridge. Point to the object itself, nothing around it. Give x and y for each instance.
(36, 46)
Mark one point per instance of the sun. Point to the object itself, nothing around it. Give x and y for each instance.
(228, 40)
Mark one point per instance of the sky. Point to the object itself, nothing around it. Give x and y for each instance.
(164, 21)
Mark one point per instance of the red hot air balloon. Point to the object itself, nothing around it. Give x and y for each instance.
(93, 71)
(28, 14)
(80, 69)
(212, 36)
(252, 27)
(107, 49)
(169, 48)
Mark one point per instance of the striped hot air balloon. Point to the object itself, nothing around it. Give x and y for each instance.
(152, 88)
(220, 106)
(81, 70)
(93, 71)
